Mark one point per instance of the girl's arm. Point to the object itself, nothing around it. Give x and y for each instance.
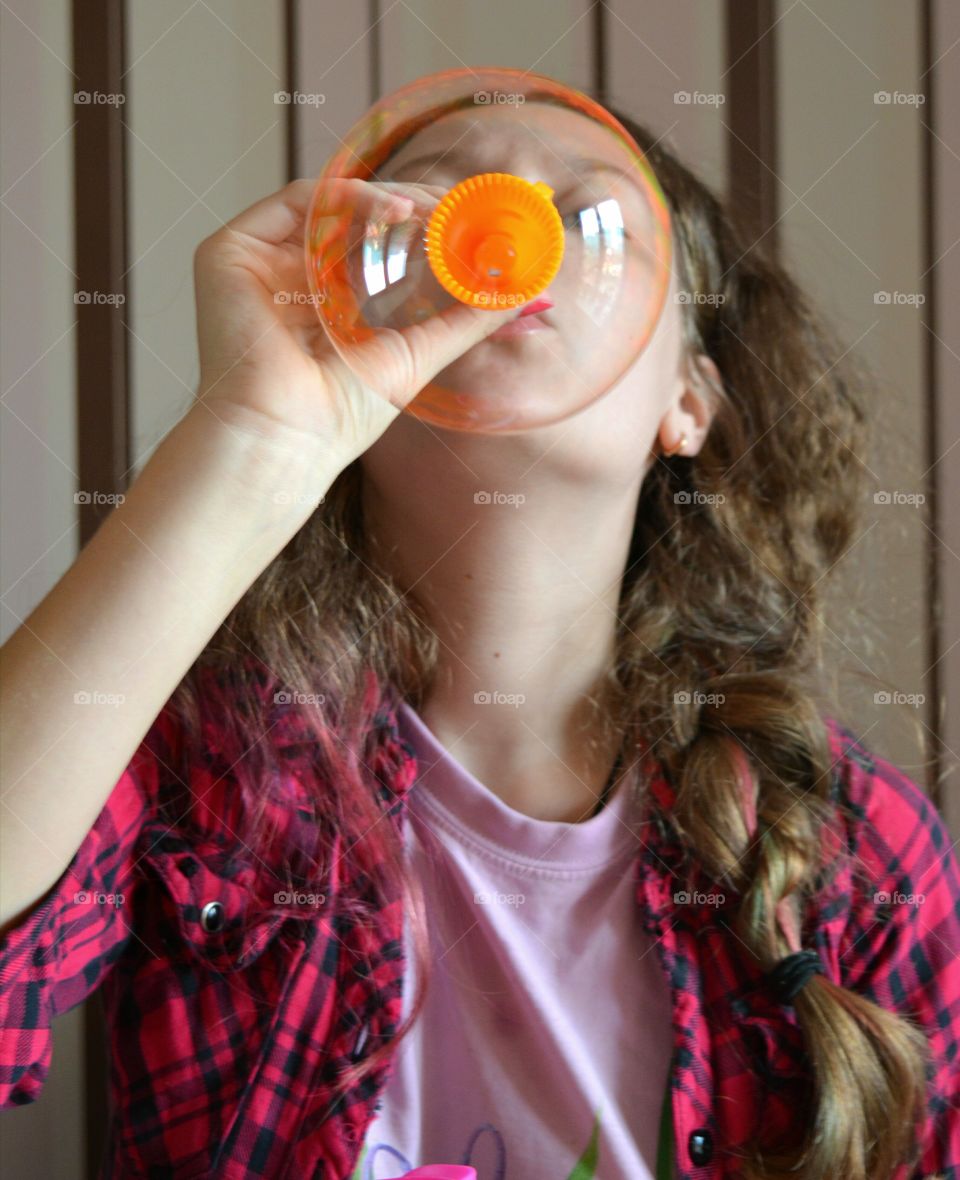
(279, 415)
(86, 674)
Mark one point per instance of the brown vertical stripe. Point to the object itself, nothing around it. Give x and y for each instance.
(934, 687)
(101, 251)
(751, 90)
(292, 64)
(103, 412)
(599, 71)
(373, 45)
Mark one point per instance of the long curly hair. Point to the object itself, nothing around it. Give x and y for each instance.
(717, 668)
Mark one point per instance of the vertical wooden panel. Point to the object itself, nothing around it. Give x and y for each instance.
(751, 112)
(291, 46)
(103, 433)
(101, 253)
(374, 41)
(599, 37)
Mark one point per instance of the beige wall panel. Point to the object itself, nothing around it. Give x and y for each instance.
(660, 54)
(852, 229)
(206, 139)
(335, 44)
(39, 538)
(550, 37)
(945, 84)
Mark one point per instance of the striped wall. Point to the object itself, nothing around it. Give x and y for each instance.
(774, 102)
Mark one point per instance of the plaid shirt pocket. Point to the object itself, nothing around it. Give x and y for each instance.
(213, 912)
(196, 1012)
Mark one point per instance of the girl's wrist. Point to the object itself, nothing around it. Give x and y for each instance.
(220, 503)
(272, 470)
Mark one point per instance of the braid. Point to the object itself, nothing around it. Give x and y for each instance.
(866, 1061)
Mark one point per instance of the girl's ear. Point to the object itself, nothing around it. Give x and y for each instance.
(689, 417)
(704, 374)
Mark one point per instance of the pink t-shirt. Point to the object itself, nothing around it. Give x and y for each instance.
(547, 1018)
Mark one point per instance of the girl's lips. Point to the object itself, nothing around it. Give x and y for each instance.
(527, 321)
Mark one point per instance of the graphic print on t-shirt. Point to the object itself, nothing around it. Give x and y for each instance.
(584, 1169)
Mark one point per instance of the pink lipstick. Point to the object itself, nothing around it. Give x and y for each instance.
(541, 304)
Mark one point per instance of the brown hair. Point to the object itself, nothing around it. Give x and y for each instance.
(718, 602)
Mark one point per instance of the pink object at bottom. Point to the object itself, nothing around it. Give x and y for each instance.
(440, 1172)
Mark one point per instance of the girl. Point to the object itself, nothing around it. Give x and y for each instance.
(402, 823)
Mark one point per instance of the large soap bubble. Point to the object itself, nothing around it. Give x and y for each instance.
(527, 193)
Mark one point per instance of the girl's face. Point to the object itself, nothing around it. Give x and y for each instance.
(614, 435)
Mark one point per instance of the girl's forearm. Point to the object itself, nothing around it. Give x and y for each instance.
(86, 674)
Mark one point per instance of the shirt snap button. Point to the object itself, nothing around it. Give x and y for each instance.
(700, 1146)
(211, 917)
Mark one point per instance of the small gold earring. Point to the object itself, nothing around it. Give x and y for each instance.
(679, 447)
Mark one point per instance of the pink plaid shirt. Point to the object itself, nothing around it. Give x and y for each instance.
(225, 1041)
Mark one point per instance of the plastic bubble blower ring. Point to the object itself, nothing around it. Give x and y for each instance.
(525, 194)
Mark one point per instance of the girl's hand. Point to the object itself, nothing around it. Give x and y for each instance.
(267, 366)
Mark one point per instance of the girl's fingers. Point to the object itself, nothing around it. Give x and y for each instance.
(275, 218)
(431, 193)
(374, 200)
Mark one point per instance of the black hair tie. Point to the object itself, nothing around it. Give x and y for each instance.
(792, 972)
